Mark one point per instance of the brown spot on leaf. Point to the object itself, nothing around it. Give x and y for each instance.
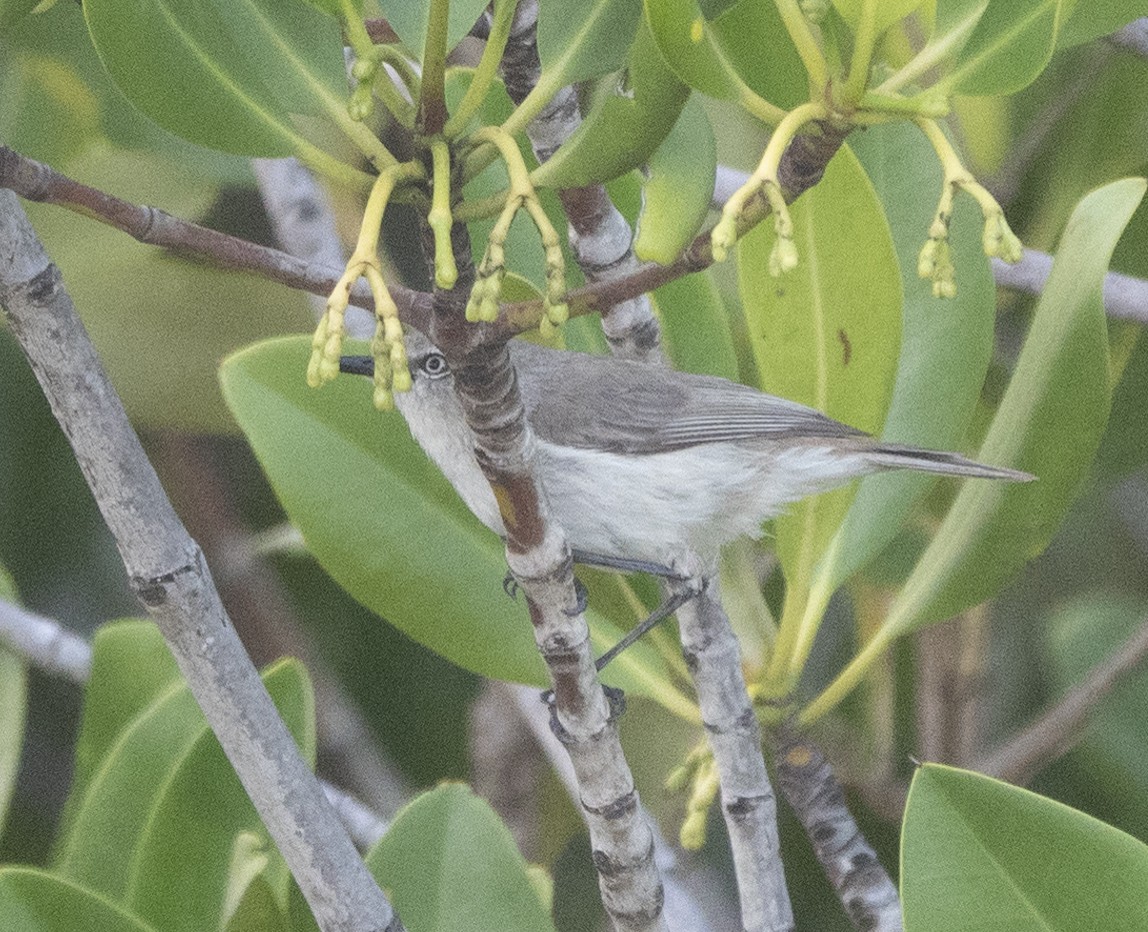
(846, 346)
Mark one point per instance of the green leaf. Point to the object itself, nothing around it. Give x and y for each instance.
(696, 326)
(408, 18)
(624, 125)
(381, 519)
(888, 11)
(1083, 633)
(827, 333)
(691, 49)
(677, 188)
(946, 344)
(13, 709)
(1011, 44)
(1092, 19)
(448, 862)
(980, 854)
(237, 75)
(1049, 423)
(755, 44)
(109, 815)
(582, 39)
(47, 111)
(132, 669)
(204, 827)
(32, 900)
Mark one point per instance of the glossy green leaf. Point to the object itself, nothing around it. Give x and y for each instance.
(33, 900)
(448, 862)
(387, 526)
(888, 11)
(696, 326)
(107, 819)
(691, 49)
(624, 125)
(1085, 632)
(826, 334)
(582, 39)
(1092, 19)
(1049, 423)
(946, 344)
(132, 669)
(13, 709)
(1011, 44)
(180, 314)
(677, 188)
(237, 75)
(753, 40)
(980, 854)
(408, 18)
(203, 825)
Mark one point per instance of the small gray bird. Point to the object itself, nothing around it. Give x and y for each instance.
(644, 466)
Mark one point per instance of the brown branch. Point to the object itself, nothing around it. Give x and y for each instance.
(35, 181)
(1056, 732)
(171, 579)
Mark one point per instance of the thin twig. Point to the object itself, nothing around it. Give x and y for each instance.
(748, 804)
(1133, 37)
(862, 885)
(35, 181)
(45, 643)
(1057, 731)
(1125, 297)
(171, 579)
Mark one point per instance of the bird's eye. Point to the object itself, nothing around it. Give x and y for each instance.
(434, 365)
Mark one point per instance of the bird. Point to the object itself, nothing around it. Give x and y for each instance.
(647, 468)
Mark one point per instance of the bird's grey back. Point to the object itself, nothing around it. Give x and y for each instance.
(601, 403)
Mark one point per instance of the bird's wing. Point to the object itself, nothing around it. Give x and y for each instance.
(596, 402)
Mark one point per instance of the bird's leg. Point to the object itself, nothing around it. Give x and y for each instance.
(679, 596)
(683, 587)
(622, 565)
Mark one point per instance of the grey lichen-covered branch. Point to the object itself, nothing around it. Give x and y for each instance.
(171, 579)
(748, 804)
(806, 781)
(600, 237)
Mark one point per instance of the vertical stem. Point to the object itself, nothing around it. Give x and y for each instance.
(432, 95)
(866, 38)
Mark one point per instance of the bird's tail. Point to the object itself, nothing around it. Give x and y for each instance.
(891, 456)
